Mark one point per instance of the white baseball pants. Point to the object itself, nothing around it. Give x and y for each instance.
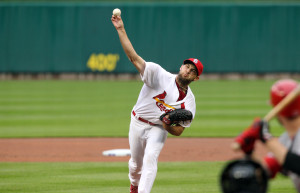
(146, 142)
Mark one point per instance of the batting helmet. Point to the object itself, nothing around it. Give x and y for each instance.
(281, 89)
(244, 176)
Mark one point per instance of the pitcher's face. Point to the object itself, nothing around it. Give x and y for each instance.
(188, 73)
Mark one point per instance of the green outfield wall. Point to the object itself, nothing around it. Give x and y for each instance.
(79, 37)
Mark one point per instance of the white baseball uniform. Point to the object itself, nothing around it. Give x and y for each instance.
(293, 144)
(158, 95)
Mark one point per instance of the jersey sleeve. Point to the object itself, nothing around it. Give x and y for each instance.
(154, 74)
(292, 159)
(291, 162)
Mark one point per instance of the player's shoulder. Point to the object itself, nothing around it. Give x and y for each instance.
(152, 64)
(156, 67)
(297, 137)
(284, 139)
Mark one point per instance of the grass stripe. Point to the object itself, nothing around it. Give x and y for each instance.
(175, 177)
(102, 108)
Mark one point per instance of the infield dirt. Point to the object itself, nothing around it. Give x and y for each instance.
(90, 149)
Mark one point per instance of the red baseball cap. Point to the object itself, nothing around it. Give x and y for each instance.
(197, 63)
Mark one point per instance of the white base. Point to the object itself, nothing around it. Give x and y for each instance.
(117, 152)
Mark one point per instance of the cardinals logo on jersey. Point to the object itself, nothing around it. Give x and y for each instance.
(160, 103)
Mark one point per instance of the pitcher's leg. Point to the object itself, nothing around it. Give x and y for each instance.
(156, 140)
(137, 148)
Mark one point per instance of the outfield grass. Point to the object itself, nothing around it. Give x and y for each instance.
(176, 177)
(102, 108)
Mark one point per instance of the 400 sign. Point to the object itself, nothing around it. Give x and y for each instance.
(101, 62)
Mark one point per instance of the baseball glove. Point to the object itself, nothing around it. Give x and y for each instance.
(176, 116)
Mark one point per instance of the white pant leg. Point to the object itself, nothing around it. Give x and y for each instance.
(155, 141)
(137, 143)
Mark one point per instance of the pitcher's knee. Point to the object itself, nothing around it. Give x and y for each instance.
(134, 167)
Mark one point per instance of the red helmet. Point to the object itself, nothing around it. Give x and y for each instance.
(281, 89)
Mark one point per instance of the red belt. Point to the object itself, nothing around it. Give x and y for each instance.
(143, 120)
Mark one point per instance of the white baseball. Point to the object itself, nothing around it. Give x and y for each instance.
(116, 12)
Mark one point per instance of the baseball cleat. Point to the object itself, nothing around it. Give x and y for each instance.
(133, 189)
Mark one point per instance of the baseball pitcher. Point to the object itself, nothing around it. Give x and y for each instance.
(165, 105)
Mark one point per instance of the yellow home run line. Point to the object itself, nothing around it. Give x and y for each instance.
(162, 102)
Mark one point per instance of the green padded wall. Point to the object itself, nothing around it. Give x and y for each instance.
(79, 37)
